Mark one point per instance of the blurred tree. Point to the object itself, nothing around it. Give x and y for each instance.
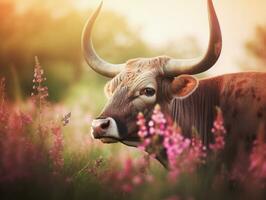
(53, 32)
(256, 50)
(56, 41)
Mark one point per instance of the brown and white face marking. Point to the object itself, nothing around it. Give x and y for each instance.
(137, 89)
(139, 84)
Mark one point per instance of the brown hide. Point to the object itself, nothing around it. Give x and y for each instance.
(243, 101)
(242, 98)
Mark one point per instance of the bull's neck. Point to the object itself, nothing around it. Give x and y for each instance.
(198, 110)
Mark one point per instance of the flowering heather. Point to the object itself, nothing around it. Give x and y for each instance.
(17, 150)
(40, 92)
(51, 127)
(56, 151)
(183, 154)
(33, 155)
(130, 177)
(219, 132)
(20, 150)
(95, 168)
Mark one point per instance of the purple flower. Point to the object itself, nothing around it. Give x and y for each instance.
(219, 132)
(183, 154)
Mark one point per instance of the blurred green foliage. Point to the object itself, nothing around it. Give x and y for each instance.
(56, 41)
(255, 51)
(42, 29)
(257, 45)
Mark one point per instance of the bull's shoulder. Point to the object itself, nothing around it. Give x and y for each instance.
(248, 76)
(236, 84)
(243, 100)
(246, 84)
(238, 75)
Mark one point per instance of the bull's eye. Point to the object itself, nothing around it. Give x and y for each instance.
(149, 92)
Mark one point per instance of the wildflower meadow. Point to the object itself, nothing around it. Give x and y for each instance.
(49, 96)
(42, 159)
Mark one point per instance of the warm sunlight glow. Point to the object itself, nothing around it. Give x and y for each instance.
(161, 21)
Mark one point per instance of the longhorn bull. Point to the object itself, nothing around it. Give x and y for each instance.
(139, 84)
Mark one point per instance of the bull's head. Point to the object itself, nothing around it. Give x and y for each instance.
(139, 84)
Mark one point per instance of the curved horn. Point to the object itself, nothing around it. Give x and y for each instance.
(95, 62)
(175, 67)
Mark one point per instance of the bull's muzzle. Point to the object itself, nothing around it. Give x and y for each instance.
(105, 130)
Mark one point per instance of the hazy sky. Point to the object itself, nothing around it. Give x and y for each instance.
(161, 21)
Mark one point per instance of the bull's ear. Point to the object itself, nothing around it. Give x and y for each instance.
(184, 85)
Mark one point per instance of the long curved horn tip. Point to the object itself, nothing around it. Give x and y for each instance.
(202, 63)
(94, 61)
(96, 12)
(100, 5)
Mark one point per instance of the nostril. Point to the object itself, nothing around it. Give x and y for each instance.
(105, 125)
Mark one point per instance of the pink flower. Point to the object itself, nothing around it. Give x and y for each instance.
(131, 176)
(149, 178)
(137, 180)
(183, 154)
(40, 92)
(146, 142)
(219, 132)
(26, 119)
(127, 187)
(56, 151)
(142, 126)
(17, 150)
(128, 167)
